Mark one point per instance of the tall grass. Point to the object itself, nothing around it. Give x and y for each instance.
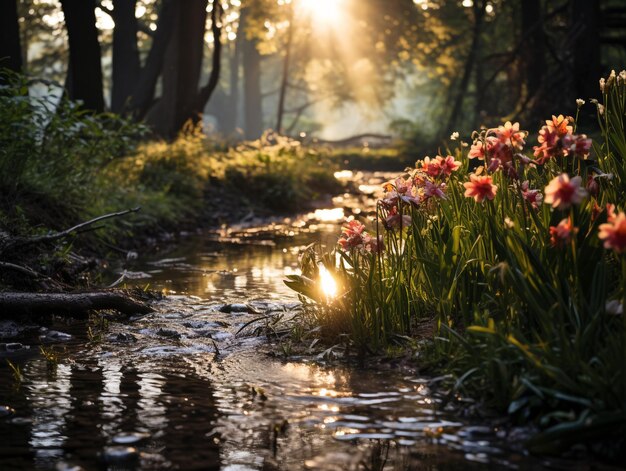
(519, 269)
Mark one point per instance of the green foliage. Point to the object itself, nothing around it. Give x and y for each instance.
(527, 319)
(60, 165)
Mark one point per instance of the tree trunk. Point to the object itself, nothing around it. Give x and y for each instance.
(143, 92)
(10, 50)
(207, 91)
(533, 57)
(479, 15)
(181, 69)
(253, 100)
(85, 69)
(70, 303)
(126, 65)
(285, 78)
(587, 65)
(231, 113)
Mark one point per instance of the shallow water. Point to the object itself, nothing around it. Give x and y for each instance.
(184, 389)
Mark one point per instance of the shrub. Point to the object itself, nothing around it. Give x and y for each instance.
(520, 268)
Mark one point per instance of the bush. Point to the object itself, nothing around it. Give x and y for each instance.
(520, 269)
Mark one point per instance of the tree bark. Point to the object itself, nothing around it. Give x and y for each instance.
(479, 15)
(285, 77)
(85, 70)
(126, 64)
(587, 65)
(70, 303)
(207, 91)
(10, 48)
(143, 92)
(253, 100)
(533, 52)
(181, 69)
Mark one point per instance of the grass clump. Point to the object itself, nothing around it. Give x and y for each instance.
(516, 264)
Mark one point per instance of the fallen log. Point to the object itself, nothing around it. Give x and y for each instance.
(12, 303)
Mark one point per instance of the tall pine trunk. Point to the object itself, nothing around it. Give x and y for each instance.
(84, 78)
(253, 101)
(10, 49)
(126, 65)
(181, 68)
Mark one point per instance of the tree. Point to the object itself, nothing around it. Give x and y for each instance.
(10, 48)
(84, 77)
(126, 64)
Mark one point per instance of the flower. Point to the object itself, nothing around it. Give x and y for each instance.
(351, 235)
(432, 167)
(372, 244)
(477, 151)
(560, 125)
(454, 136)
(562, 192)
(580, 102)
(479, 188)
(533, 197)
(448, 164)
(562, 233)
(509, 134)
(578, 145)
(613, 232)
(432, 190)
(394, 220)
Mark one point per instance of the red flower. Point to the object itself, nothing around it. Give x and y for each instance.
(533, 197)
(479, 188)
(562, 192)
(510, 135)
(448, 165)
(561, 234)
(352, 235)
(613, 232)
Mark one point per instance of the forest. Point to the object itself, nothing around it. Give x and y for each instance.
(312, 234)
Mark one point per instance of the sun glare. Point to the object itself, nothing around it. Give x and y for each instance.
(323, 11)
(328, 283)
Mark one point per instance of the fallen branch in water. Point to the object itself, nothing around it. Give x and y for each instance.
(19, 242)
(12, 303)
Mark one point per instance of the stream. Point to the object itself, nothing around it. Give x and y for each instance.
(182, 388)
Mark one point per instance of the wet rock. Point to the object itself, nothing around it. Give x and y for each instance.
(129, 438)
(11, 347)
(63, 466)
(120, 455)
(476, 431)
(234, 308)
(6, 411)
(55, 336)
(11, 329)
(122, 337)
(168, 333)
(219, 336)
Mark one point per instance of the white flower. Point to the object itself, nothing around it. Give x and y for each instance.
(602, 83)
(600, 109)
(454, 136)
(580, 102)
(614, 307)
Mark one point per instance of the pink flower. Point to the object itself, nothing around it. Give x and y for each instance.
(477, 151)
(448, 165)
(561, 234)
(510, 135)
(613, 232)
(562, 192)
(479, 188)
(559, 125)
(578, 145)
(394, 220)
(433, 190)
(533, 197)
(432, 167)
(373, 245)
(352, 235)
